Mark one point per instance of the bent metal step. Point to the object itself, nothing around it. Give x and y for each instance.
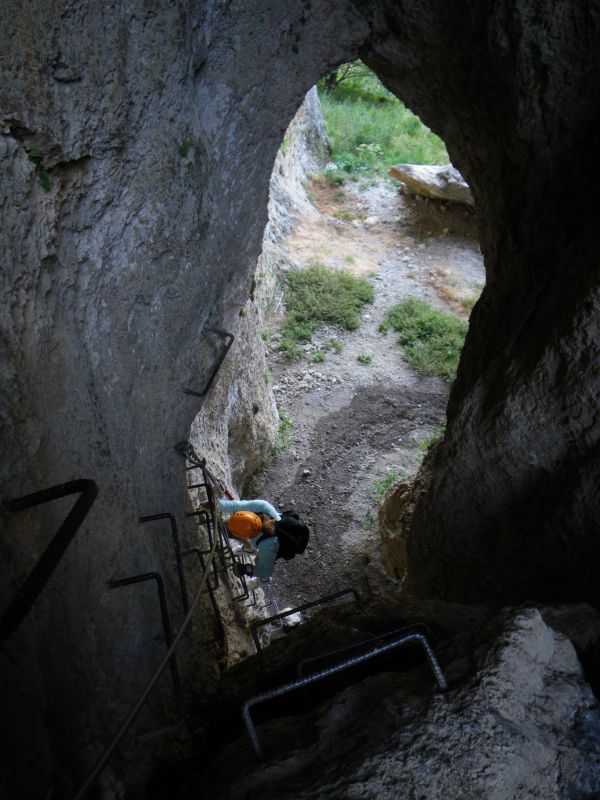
(278, 691)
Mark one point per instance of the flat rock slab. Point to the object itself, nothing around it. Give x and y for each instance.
(438, 183)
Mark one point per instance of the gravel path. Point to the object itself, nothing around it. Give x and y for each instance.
(353, 424)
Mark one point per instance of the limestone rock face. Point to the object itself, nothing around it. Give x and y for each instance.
(438, 183)
(135, 229)
(237, 424)
(523, 724)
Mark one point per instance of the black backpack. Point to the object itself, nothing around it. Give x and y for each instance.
(293, 536)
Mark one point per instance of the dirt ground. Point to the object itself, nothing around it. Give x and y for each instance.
(352, 425)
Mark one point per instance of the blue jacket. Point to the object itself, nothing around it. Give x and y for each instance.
(268, 548)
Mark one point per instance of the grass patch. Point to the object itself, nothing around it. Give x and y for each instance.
(283, 440)
(453, 290)
(364, 359)
(435, 437)
(335, 344)
(376, 492)
(370, 129)
(349, 259)
(432, 340)
(380, 487)
(319, 296)
(344, 214)
(468, 301)
(333, 176)
(319, 356)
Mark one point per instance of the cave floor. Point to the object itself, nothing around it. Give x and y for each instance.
(357, 426)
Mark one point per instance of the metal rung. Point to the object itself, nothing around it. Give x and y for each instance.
(166, 623)
(228, 341)
(415, 627)
(139, 704)
(48, 561)
(350, 662)
(321, 601)
(221, 631)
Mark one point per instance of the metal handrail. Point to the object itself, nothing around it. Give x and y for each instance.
(415, 627)
(324, 673)
(321, 601)
(48, 561)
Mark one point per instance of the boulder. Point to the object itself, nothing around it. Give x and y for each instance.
(438, 183)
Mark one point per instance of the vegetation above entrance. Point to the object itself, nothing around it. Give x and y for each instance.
(369, 128)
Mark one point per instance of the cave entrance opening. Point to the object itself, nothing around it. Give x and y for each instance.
(356, 415)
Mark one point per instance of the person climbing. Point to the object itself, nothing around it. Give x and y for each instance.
(265, 531)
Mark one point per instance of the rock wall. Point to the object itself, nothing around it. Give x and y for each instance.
(237, 425)
(137, 145)
(136, 228)
(512, 508)
(236, 428)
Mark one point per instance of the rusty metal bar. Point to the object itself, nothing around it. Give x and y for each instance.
(416, 627)
(166, 622)
(48, 561)
(228, 339)
(321, 601)
(325, 673)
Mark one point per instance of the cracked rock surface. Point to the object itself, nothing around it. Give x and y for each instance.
(518, 721)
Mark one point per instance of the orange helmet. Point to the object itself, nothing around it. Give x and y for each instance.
(244, 524)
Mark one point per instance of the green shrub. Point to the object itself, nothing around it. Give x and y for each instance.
(36, 157)
(335, 344)
(380, 487)
(343, 213)
(284, 433)
(318, 296)
(377, 490)
(355, 80)
(335, 176)
(432, 340)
